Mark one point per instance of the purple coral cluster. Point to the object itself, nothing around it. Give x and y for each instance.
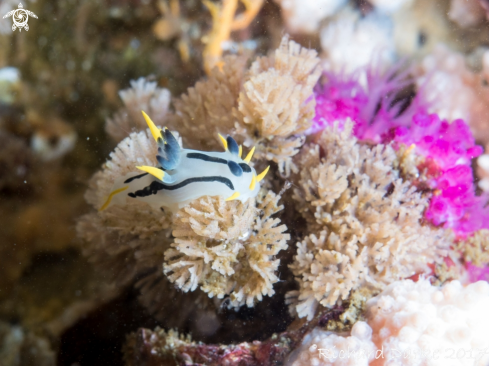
(447, 148)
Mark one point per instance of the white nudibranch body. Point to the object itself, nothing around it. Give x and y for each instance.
(184, 175)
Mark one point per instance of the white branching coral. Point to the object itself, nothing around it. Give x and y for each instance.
(267, 106)
(227, 248)
(305, 16)
(351, 42)
(417, 323)
(365, 222)
(142, 95)
(322, 348)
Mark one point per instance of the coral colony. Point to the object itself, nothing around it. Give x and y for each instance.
(386, 191)
(392, 251)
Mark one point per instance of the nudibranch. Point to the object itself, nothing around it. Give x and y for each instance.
(184, 175)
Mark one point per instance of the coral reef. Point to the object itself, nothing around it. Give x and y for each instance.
(349, 194)
(373, 126)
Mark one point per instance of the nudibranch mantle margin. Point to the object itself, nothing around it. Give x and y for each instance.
(184, 175)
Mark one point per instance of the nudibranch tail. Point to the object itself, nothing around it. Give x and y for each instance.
(233, 197)
(249, 156)
(155, 131)
(111, 195)
(260, 177)
(155, 172)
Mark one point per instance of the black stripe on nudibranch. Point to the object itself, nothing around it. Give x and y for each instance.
(235, 168)
(156, 186)
(134, 178)
(205, 157)
(232, 146)
(246, 168)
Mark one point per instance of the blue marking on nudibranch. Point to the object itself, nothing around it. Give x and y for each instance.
(232, 145)
(235, 168)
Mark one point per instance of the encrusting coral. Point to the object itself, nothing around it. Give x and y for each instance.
(424, 323)
(409, 323)
(365, 222)
(322, 348)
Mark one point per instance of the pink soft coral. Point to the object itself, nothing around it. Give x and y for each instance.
(448, 148)
(370, 103)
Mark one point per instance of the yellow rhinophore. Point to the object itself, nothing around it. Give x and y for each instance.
(112, 194)
(240, 151)
(155, 131)
(249, 156)
(253, 182)
(262, 174)
(224, 142)
(155, 172)
(233, 197)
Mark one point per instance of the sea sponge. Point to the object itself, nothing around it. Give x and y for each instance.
(418, 322)
(365, 222)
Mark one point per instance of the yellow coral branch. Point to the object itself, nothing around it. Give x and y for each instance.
(243, 20)
(223, 22)
(222, 17)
